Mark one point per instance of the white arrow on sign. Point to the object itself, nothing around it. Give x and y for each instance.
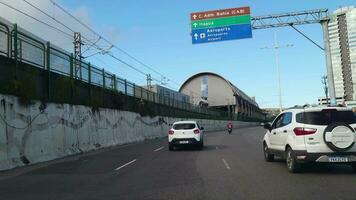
(196, 36)
(194, 16)
(195, 25)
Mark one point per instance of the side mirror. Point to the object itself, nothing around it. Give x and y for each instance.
(267, 126)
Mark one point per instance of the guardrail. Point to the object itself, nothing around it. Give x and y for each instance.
(43, 55)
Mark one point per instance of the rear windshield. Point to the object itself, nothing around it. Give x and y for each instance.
(326, 117)
(186, 126)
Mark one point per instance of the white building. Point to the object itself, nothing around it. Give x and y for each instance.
(342, 36)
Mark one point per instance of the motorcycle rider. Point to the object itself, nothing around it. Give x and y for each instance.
(229, 126)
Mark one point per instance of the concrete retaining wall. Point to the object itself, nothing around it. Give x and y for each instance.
(43, 132)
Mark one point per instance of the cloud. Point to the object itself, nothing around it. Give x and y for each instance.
(48, 34)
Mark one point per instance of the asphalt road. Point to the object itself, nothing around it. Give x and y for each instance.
(230, 167)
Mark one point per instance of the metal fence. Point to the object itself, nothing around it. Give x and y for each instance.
(43, 55)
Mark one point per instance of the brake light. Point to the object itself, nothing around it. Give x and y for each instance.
(304, 131)
(196, 131)
(170, 132)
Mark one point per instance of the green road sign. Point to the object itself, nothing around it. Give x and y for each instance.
(225, 21)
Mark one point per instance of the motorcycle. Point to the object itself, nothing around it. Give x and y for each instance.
(229, 130)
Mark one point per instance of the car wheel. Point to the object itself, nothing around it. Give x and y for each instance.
(291, 162)
(268, 157)
(353, 165)
(171, 147)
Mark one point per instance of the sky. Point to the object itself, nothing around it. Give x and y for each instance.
(157, 32)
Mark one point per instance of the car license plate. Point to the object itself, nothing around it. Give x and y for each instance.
(338, 159)
(183, 142)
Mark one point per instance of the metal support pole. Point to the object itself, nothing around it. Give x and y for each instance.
(134, 89)
(89, 80)
(48, 60)
(278, 71)
(329, 67)
(15, 50)
(71, 65)
(103, 78)
(89, 73)
(125, 86)
(114, 82)
(71, 74)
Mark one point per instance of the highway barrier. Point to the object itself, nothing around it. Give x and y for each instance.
(45, 131)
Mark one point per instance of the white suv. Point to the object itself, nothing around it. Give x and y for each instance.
(186, 133)
(314, 134)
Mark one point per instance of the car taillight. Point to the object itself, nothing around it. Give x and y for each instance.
(304, 131)
(196, 131)
(170, 132)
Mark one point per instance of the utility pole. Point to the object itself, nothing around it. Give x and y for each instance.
(77, 55)
(149, 82)
(276, 47)
(324, 81)
(329, 67)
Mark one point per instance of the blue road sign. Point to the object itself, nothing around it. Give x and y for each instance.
(222, 33)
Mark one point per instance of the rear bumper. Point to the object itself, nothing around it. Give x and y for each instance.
(184, 141)
(304, 157)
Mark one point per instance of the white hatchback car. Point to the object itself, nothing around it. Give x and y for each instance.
(314, 134)
(186, 133)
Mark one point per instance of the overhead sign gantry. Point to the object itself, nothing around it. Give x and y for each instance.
(220, 25)
(267, 21)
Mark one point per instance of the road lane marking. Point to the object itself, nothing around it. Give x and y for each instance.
(226, 164)
(132, 161)
(158, 149)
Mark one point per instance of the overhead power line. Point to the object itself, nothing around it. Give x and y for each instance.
(64, 25)
(104, 39)
(38, 20)
(91, 43)
(113, 45)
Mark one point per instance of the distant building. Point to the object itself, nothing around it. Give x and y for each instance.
(166, 92)
(271, 113)
(212, 90)
(342, 36)
(323, 101)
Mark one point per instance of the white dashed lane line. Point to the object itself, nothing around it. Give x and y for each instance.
(122, 166)
(159, 149)
(226, 164)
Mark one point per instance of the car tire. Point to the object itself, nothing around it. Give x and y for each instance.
(353, 165)
(292, 165)
(171, 147)
(268, 157)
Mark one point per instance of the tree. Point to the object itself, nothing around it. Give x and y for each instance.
(324, 81)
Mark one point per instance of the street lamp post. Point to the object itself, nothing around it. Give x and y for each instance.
(276, 47)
